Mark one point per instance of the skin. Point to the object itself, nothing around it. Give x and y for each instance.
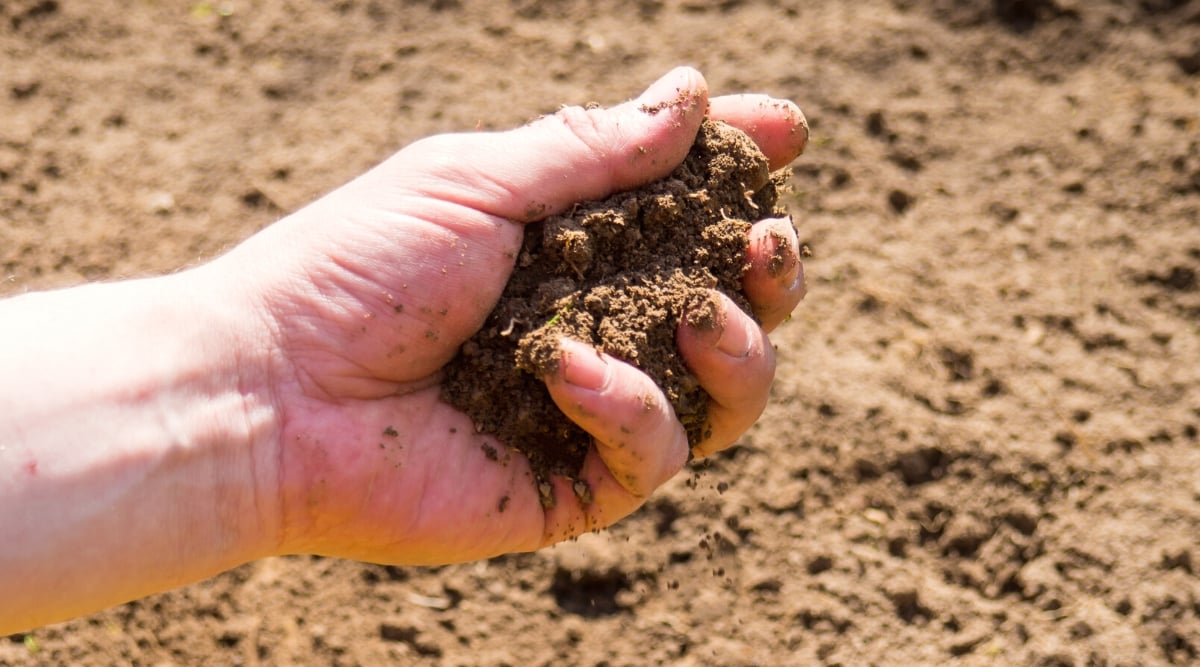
(283, 398)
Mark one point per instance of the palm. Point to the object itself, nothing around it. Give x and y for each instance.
(407, 473)
(369, 443)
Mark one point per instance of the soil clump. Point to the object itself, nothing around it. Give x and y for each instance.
(619, 274)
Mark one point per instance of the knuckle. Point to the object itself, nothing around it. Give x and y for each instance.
(585, 126)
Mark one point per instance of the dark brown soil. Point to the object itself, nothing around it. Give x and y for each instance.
(619, 274)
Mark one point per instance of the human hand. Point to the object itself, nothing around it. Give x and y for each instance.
(365, 295)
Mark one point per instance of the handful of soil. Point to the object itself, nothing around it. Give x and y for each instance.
(619, 274)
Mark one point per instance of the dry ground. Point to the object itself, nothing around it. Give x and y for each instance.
(982, 447)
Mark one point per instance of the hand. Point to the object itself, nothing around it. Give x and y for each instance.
(367, 293)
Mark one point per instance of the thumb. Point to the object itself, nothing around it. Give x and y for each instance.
(573, 155)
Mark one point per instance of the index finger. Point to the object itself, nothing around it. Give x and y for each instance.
(777, 126)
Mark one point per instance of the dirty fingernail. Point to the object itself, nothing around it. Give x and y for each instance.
(583, 366)
(797, 283)
(800, 130)
(780, 252)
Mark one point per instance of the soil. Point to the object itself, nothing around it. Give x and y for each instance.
(982, 446)
(620, 274)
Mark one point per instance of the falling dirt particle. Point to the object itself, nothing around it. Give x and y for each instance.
(453, 430)
(431, 334)
(722, 487)
(503, 504)
(399, 308)
(391, 432)
(490, 452)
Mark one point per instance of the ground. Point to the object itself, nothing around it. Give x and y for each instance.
(982, 445)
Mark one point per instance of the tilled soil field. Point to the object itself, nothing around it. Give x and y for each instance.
(983, 441)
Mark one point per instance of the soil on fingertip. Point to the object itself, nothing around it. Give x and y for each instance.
(619, 274)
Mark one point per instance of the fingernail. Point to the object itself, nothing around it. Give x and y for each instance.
(583, 366)
(779, 250)
(797, 283)
(737, 337)
(800, 130)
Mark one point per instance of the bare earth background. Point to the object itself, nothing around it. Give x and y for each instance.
(983, 441)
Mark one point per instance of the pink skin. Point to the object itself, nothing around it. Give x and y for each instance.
(366, 294)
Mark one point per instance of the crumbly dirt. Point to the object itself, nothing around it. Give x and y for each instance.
(982, 445)
(618, 274)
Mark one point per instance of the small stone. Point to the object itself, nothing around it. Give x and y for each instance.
(160, 203)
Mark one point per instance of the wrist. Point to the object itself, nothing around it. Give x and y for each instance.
(234, 372)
